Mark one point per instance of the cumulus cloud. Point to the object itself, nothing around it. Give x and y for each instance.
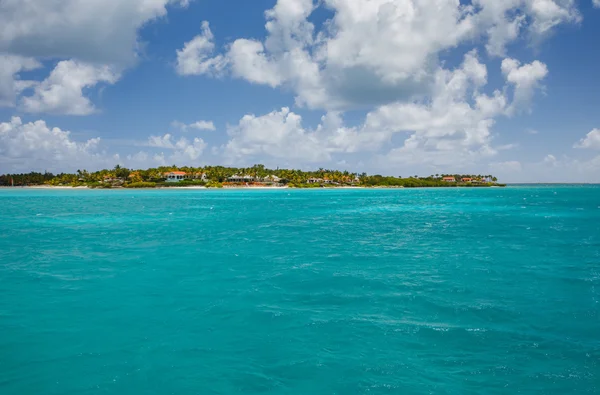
(195, 56)
(249, 61)
(525, 79)
(371, 52)
(376, 52)
(591, 140)
(182, 149)
(99, 36)
(503, 21)
(278, 134)
(198, 125)
(550, 168)
(451, 127)
(96, 31)
(547, 14)
(62, 91)
(596, 3)
(10, 83)
(34, 145)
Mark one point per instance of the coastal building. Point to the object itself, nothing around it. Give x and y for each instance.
(467, 179)
(111, 179)
(175, 176)
(314, 181)
(201, 177)
(237, 178)
(449, 179)
(271, 178)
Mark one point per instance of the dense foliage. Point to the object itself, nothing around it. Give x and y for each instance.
(140, 184)
(432, 181)
(27, 179)
(217, 176)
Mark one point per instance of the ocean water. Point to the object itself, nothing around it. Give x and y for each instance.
(414, 291)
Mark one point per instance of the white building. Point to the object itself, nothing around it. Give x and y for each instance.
(201, 177)
(175, 176)
(236, 178)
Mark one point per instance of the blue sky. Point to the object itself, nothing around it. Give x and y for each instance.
(395, 87)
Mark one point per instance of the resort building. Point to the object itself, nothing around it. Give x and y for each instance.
(175, 176)
(467, 179)
(449, 179)
(314, 181)
(200, 176)
(236, 178)
(272, 178)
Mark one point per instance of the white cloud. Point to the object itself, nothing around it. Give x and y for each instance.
(503, 21)
(453, 128)
(96, 31)
(596, 3)
(549, 169)
(279, 134)
(525, 78)
(62, 91)
(183, 149)
(550, 160)
(564, 169)
(99, 36)
(374, 52)
(547, 14)
(10, 84)
(249, 61)
(202, 125)
(591, 140)
(34, 145)
(500, 24)
(195, 57)
(450, 128)
(198, 125)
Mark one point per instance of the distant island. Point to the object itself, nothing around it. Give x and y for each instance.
(257, 176)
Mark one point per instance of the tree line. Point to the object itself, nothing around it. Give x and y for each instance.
(220, 174)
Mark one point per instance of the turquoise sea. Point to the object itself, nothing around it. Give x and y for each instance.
(412, 291)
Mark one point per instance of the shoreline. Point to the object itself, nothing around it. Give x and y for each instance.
(239, 188)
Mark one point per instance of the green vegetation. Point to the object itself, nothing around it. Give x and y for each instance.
(424, 182)
(304, 185)
(216, 176)
(182, 183)
(140, 184)
(99, 185)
